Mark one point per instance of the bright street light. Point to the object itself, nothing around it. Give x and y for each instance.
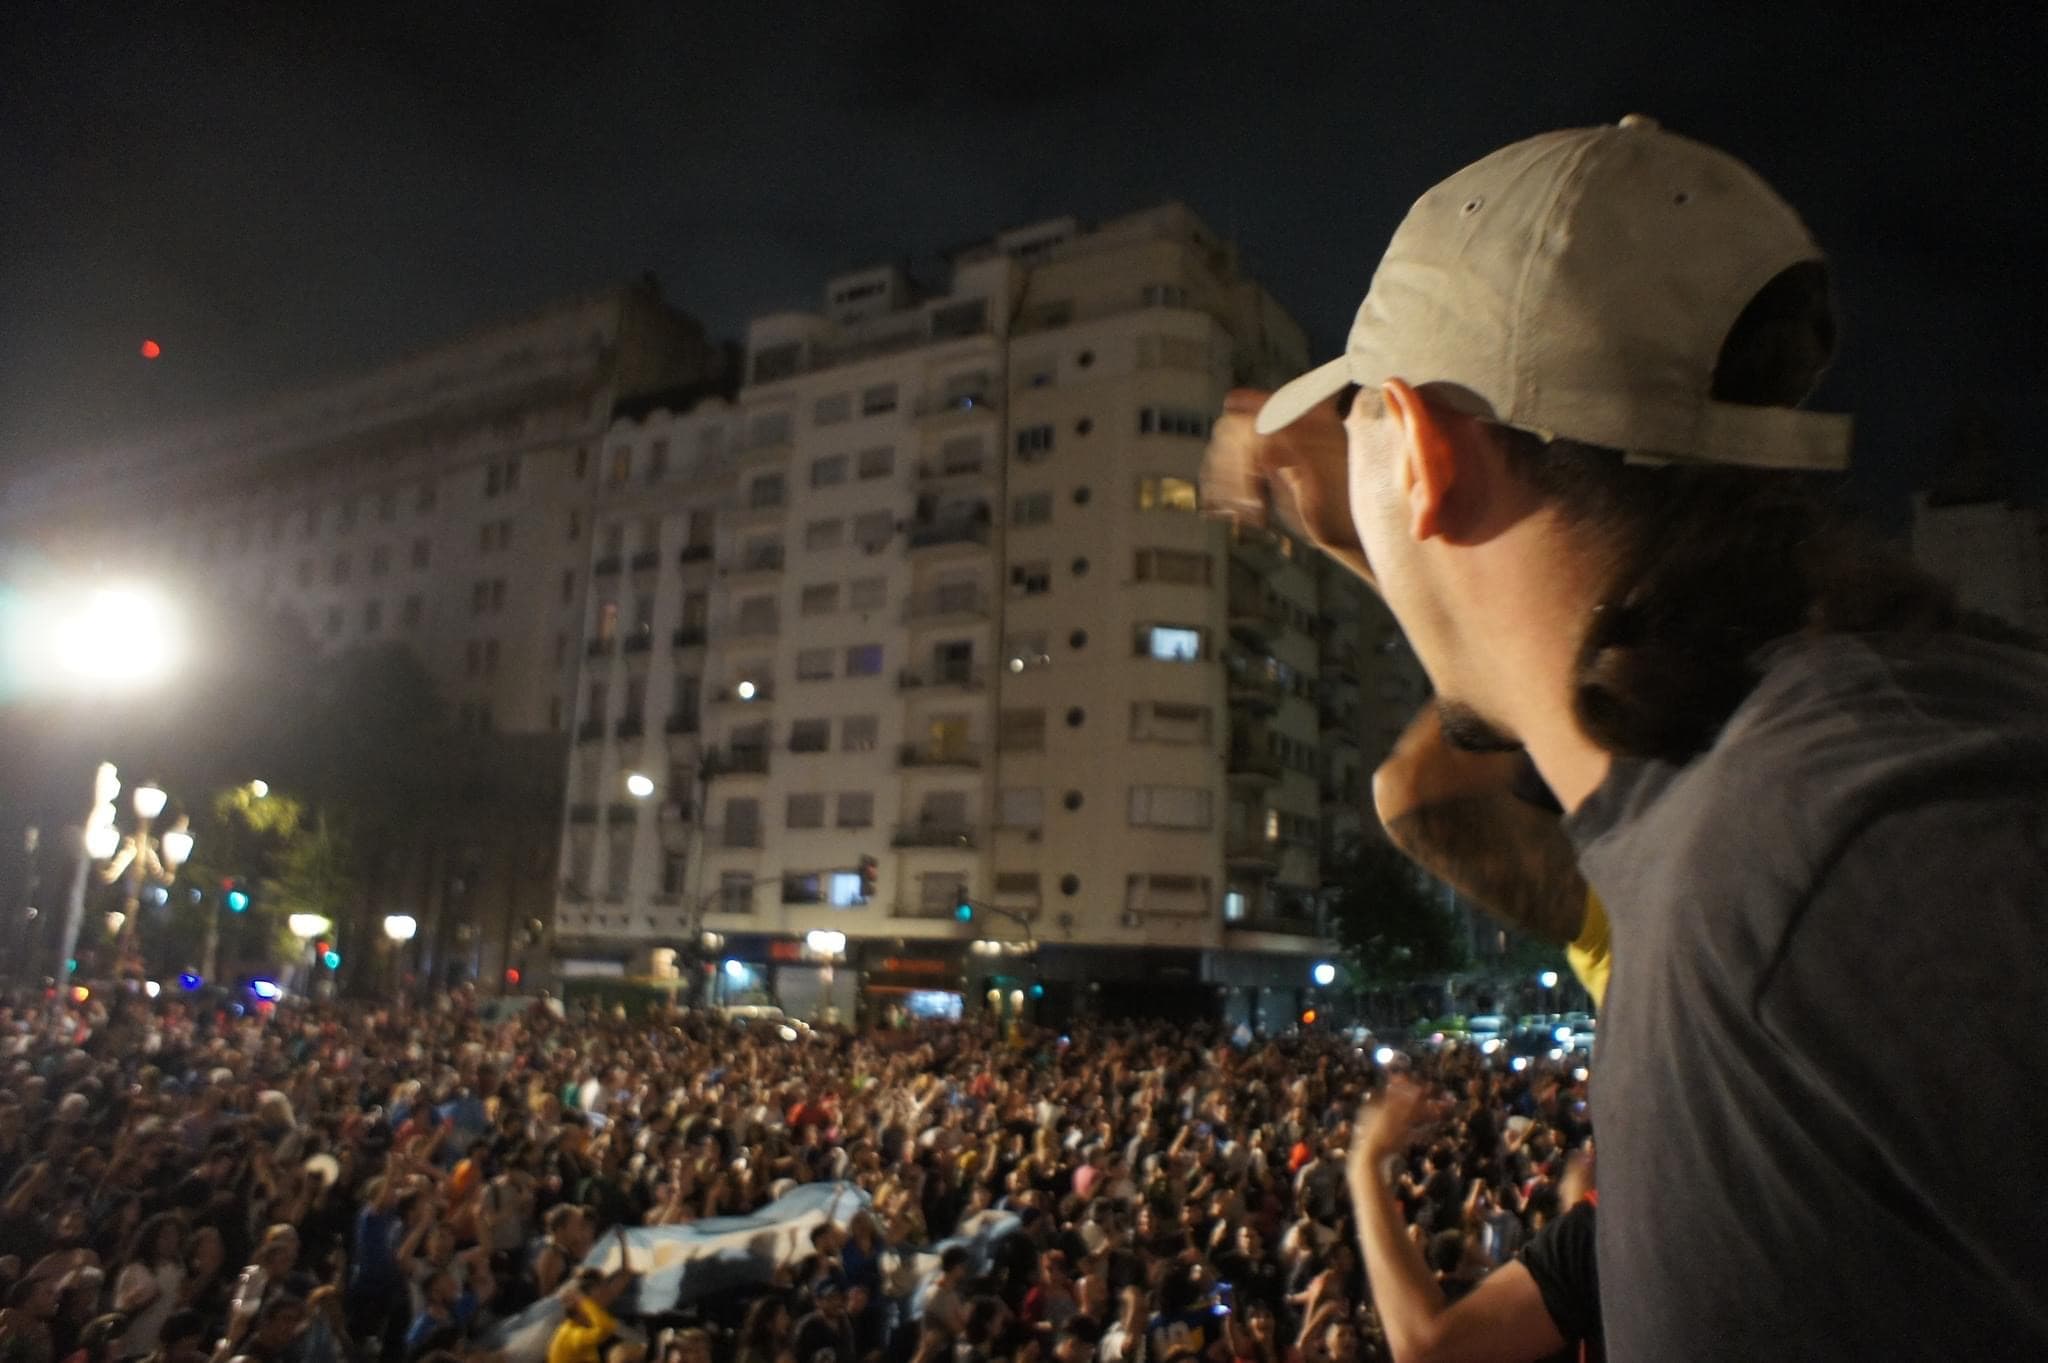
(639, 784)
(177, 844)
(399, 927)
(102, 841)
(1548, 979)
(307, 926)
(825, 942)
(149, 800)
(259, 789)
(745, 690)
(1324, 973)
(117, 637)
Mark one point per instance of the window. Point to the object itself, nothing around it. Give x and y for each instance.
(1158, 721)
(938, 892)
(409, 617)
(832, 409)
(1173, 421)
(858, 733)
(1170, 643)
(498, 594)
(1034, 443)
(844, 890)
(768, 428)
(1020, 807)
(512, 474)
(856, 809)
(1167, 494)
(673, 868)
(879, 462)
(765, 491)
(373, 616)
(804, 811)
(1021, 731)
(1032, 508)
(568, 586)
(801, 887)
(736, 892)
(864, 660)
(829, 471)
(819, 535)
(878, 399)
(742, 822)
(961, 455)
(1182, 566)
(810, 735)
(874, 529)
(867, 593)
(820, 598)
(657, 461)
(757, 615)
(380, 560)
(778, 361)
(1170, 807)
(1030, 579)
(422, 550)
(621, 467)
(814, 664)
(491, 662)
(575, 526)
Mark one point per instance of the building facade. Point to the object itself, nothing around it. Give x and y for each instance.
(913, 676)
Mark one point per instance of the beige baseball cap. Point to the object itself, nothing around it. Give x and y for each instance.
(1580, 285)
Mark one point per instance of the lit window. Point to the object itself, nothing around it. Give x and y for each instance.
(1167, 494)
(1170, 643)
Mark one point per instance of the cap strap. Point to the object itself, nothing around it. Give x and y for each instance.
(1765, 438)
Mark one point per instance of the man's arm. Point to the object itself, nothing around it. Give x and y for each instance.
(1458, 815)
(1503, 1318)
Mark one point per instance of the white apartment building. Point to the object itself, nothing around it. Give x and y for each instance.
(928, 618)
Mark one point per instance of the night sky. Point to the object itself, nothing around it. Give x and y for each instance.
(278, 191)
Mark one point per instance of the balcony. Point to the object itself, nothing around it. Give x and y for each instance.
(941, 406)
(639, 641)
(694, 553)
(589, 731)
(1291, 922)
(940, 473)
(946, 606)
(1253, 762)
(760, 561)
(754, 629)
(1252, 852)
(948, 533)
(646, 561)
(765, 450)
(629, 727)
(741, 759)
(957, 677)
(1255, 616)
(934, 835)
(1262, 550)
(597, 648)
(745, 693)
(940, 755)
(609, 564)
(1253, 688)
(688, 636)
(680, 724)
(749, 836)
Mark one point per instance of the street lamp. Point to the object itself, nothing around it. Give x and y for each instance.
(115, 638)
(825, 942)
(140, 859)
(639, 785)
(1324, 973)
(399, 927)
(307, 926)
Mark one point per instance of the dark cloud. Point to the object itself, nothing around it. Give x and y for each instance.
(278, 191)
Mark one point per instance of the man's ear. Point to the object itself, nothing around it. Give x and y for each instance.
(1428, 458)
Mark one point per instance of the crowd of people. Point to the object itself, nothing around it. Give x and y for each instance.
(322, 1183)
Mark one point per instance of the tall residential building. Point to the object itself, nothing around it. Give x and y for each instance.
(921, 644)
(442, 501)
(1970, 529)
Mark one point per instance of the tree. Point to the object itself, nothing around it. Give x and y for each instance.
(1390, 917)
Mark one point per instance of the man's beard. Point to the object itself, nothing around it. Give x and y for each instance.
(1468, 731)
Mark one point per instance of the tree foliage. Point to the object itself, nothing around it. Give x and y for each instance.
(1391, 918)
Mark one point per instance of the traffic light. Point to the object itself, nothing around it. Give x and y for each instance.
(869, 870)
(512, 975)
(331, 959)
(1037, 991)
(234, 896)
(1308, 1017)
(963, 908)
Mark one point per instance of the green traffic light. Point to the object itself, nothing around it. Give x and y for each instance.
(964, 911)
(332, 960)
(237, 901)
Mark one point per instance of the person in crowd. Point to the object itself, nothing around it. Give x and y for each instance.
(588, 1324)
(151, 1282)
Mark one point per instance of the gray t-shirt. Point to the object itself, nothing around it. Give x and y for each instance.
(1821, 1090)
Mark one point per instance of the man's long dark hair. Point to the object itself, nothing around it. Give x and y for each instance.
(1707, 564)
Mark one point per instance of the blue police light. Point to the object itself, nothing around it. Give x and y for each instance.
(265, 989)
(189, 982)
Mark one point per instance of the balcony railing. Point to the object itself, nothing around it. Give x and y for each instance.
(629, 727)
(940, 755)
(610, 563)
(941, 471)
(762, 691)
(694, 553)
(688, 636)
(589, 730)
(1253, 614)
(938, 534)
(639, 641)
(681, 724)
(933, 834)
(597, 648)
(1254, 688)
(946, 606)
(754, 629)
(733, 837)
(741, 759)
(1252, 851)
(940, 405)
(760, 561)
(964, 677)
(1250, 761)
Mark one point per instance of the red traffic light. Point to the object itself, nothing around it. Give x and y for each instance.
(150, 350)
(511, 974)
